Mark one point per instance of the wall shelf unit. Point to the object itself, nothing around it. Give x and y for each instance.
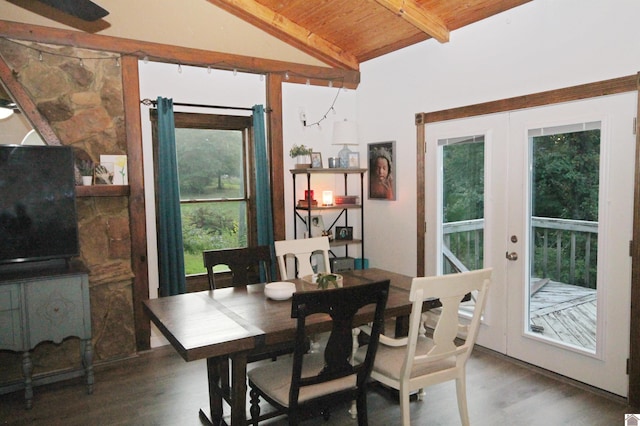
(102, 191)
(304, 213)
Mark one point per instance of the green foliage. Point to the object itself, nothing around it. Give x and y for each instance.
(326, 280)
(463, 187)
(566, 175)
(297, 150)
(206, 158)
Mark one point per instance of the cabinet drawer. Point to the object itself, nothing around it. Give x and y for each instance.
(10, 322)
(57, 308)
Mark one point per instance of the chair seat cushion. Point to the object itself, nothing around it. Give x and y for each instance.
(274, 379)
(389, 360)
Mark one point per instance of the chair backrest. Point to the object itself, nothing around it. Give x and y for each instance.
(450, 289)
(243, 262)
(302, 249)
(341, 304)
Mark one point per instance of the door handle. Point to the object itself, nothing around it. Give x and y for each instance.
(512, 256)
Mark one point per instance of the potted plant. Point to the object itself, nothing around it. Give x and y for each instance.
(325, 281)
(85, 167)
(303, 155)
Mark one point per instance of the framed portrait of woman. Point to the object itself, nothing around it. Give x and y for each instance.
(382, 172)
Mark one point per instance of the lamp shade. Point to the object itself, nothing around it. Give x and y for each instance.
(345, 133)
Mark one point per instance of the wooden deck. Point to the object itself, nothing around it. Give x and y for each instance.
(565, 312)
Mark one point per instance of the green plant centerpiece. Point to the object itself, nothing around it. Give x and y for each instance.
(325, 281)
(303, 155)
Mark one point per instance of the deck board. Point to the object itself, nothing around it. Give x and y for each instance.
(566, 312)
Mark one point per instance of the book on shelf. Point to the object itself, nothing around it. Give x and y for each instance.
(346, 199)
(307, 203)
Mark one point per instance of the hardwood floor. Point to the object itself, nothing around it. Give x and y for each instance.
(159, 388)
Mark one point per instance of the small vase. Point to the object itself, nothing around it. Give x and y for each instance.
(87, 180)
(304, 161)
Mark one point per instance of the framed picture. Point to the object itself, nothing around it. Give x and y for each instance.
(354, 160)
(317, 226)
(344, 233)
(119, 168)
(382, 172)
(316, 160)
(103, 174)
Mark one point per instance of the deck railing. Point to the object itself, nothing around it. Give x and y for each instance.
(562, 250)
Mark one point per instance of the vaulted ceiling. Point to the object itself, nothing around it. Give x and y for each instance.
(345, 33)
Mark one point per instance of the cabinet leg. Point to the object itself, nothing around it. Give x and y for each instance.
(87, 363)
(27, 371)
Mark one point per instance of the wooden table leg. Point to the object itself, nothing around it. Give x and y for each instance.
(215, 392)
(239, 389)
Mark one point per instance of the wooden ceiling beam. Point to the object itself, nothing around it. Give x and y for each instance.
(419, 17)
(290, 32)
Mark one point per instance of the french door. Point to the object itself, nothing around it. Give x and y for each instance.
(544, 196)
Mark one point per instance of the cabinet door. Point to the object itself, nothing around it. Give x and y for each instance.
(10, 322)
(57, 308)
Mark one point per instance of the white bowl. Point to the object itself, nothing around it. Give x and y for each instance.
(279, 290)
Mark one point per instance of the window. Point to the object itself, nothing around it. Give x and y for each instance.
(214, 157)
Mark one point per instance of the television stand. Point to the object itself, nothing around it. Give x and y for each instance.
(47, 304)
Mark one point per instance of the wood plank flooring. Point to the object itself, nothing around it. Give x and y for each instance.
(159, 388)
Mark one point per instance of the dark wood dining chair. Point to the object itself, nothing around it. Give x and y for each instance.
(244, 264)
(310, 383)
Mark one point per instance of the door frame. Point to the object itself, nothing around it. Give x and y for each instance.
(629, 83)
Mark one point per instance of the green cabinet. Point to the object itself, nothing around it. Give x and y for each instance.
(47, 305)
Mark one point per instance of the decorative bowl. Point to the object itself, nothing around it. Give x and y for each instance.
(279, 290)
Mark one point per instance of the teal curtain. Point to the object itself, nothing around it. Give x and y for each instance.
(263, 185)
(170, 246)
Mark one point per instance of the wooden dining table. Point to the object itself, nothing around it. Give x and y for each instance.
(229, 324)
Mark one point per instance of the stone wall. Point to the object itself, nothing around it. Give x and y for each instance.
(80, 93)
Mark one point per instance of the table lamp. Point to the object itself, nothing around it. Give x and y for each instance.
(345, 133)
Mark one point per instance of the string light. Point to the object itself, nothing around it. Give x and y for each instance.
(118, 62)
(235, 72)
(40, 56)
(179, 69)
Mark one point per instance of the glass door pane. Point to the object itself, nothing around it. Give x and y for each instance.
(564, 191)
(462, 204)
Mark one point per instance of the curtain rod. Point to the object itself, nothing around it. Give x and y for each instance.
(149, 102)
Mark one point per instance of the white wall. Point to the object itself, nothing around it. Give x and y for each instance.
(541, 45)
(322, 105)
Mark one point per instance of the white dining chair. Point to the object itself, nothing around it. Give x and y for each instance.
(302, 250)
(417, 361)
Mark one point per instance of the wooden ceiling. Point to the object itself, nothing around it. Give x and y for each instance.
(345, 33)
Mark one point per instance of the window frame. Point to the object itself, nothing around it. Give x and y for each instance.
(244, 124)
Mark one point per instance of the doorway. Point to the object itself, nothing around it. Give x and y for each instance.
(545, 197)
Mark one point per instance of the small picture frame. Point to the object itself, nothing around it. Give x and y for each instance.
(344, 233)
(317, 226)
(354, 160)
(103, 174)
(316, 160)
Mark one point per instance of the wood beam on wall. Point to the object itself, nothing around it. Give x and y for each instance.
(27, 106)
(276, 154)
(634, 338)
(180, 55)
(137, 211)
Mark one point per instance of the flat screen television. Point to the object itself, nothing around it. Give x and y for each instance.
(38, 219)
